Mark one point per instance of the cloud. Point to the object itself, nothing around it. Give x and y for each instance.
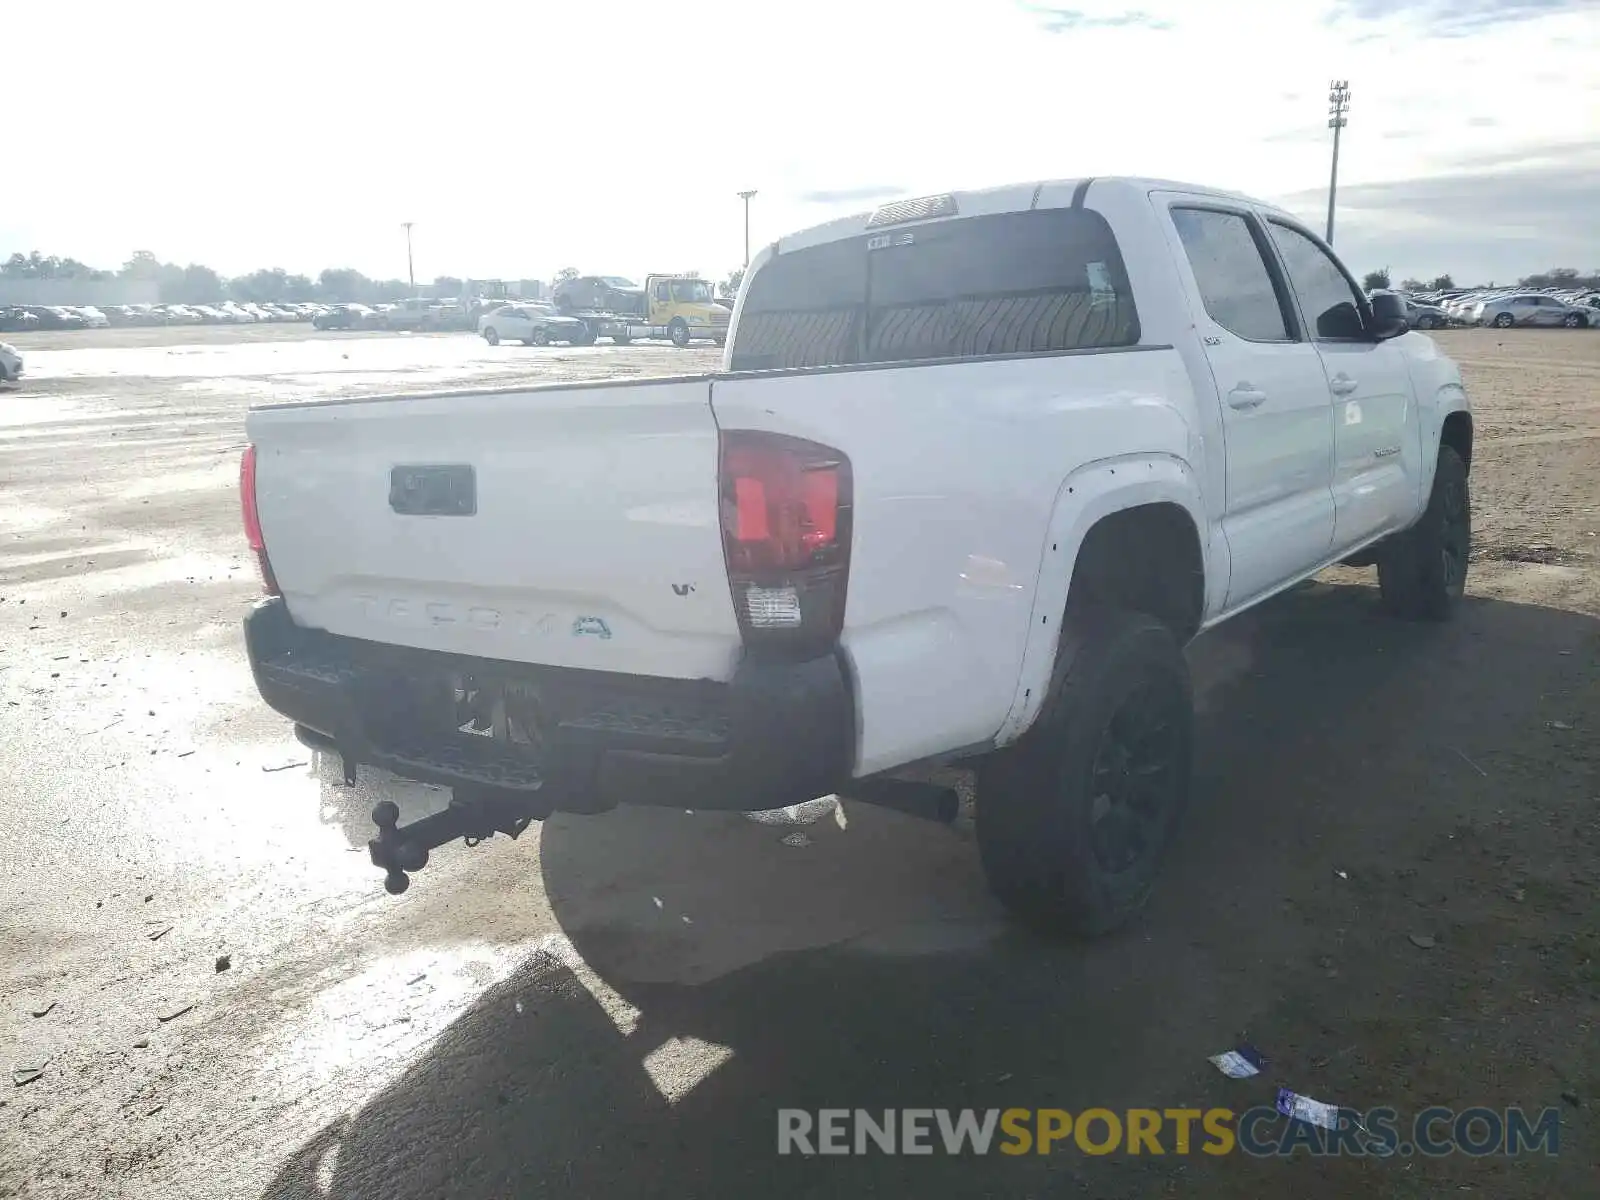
(1071, 20)
(1499, 217)
(1452, 18)
(855, 195)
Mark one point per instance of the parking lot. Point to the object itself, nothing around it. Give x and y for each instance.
(1386, 882)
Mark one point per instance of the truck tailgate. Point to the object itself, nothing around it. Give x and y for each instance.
(570, 526)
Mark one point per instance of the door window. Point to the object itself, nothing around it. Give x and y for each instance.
(1331, 303)
(1235, 285)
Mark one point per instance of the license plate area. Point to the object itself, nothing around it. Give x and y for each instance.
(506, 714)
(433, 490)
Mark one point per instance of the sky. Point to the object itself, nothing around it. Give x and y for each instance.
(524, 137)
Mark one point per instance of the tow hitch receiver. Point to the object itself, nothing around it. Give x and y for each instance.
(472, 815)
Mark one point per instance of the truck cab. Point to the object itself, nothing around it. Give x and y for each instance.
(680, 308)
(686, 308)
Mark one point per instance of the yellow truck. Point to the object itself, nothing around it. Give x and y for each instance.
(677, 308)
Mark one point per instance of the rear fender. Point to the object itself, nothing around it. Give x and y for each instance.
(1088, 495)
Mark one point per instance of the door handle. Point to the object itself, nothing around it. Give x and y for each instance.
(1342, 385)
(1244, 396)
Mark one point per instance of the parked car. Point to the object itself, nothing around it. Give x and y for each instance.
(10, 363)
(975, 470)
(1529, 308)
(53, 316)
(92, 316)
(1425, 316)
(17, 320)
(532, 323)
(343, 316)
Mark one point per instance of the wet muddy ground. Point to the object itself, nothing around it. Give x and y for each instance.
(1387, 881)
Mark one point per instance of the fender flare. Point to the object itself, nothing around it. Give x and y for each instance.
(1088, 495)
(1447, 400)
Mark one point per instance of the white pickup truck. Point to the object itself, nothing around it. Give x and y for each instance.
(977, 466)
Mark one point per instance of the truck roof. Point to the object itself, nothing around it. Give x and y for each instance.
(1010, 197)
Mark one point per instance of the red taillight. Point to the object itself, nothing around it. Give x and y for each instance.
(252, 519)
(786, 507)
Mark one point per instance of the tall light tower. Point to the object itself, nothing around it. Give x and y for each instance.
(1338, 106)
(745, 196)
(411, 271)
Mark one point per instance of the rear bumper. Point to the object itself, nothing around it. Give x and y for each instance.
(776, 734)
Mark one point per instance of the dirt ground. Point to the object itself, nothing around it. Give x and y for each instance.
(1387, 881)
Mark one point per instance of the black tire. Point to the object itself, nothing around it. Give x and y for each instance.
(1422, 572)
(621, 339)
(492, 336)
(541, 337)
(678, 331)
(1504, 321)
(1575, 321)
(1046, 833)
(586, 338)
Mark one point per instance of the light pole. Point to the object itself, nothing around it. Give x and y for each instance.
(1338, 106)
(411, 271)
(745, 196)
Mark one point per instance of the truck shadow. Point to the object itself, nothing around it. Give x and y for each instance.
(868, 968)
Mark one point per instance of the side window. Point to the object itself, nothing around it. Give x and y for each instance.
(661, 291)
(1328, 299)
(1234, 282)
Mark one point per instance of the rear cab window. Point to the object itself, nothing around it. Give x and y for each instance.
(1037, 282)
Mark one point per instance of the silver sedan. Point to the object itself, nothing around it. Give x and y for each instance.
(1535, 309)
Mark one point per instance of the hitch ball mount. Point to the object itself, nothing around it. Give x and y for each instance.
(474, 816)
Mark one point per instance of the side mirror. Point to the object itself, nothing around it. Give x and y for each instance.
(1389, 316)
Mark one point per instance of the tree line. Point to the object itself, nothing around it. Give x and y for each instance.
(1556, 277)
(199, 284)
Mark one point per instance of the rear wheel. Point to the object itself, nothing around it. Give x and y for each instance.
(586, 337)
(492, 336)
(1422, 573)
(678, 331)
(540, 337)
(620, 339)
(1072, 821)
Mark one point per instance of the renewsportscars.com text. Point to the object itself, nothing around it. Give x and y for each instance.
(1255, 1132)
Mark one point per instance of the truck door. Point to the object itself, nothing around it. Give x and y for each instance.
(1276, 409)
(1376, 438)
(660, 301)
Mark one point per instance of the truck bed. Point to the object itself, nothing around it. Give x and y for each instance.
(582, 508)
(596, 540)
